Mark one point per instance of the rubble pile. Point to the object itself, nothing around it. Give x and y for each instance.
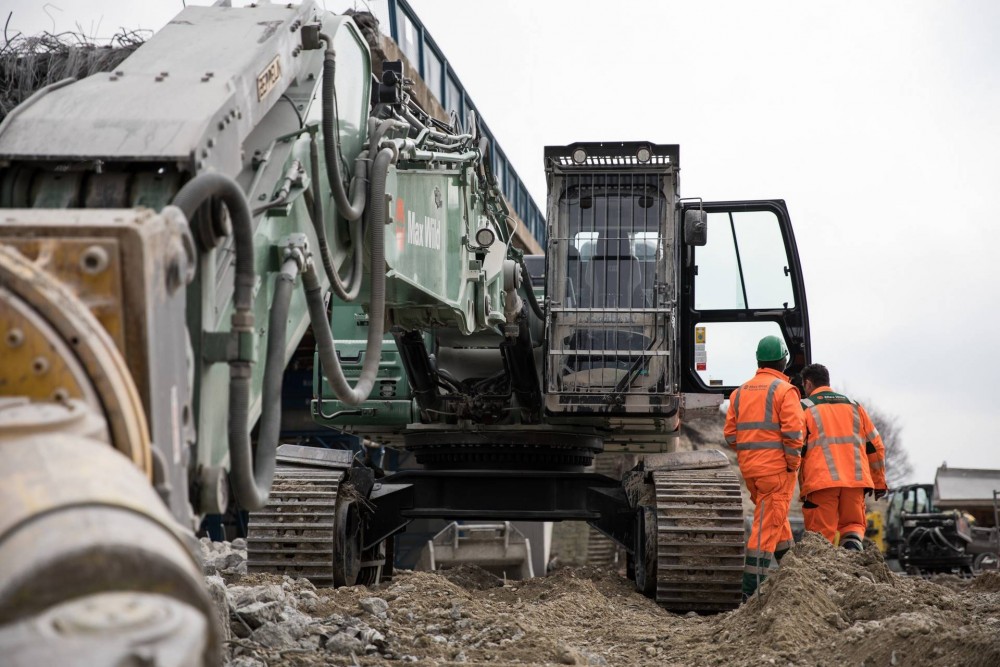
(825, 606)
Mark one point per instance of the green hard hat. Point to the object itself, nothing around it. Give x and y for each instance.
(771, 348)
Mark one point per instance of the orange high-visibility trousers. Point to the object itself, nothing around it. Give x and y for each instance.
(770, 533)
(839, 513)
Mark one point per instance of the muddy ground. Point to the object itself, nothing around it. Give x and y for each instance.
(825, 606)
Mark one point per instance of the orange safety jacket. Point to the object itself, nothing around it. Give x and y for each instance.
(765, 424)
(842, 448)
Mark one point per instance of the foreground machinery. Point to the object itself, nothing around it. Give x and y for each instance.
(239, 194)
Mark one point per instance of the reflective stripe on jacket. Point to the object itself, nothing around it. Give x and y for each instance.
(765, 424)
(842, 446)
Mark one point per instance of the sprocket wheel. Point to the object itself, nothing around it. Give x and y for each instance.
(347, 541)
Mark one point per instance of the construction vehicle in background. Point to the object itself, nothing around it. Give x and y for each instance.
(239, 197)
(948, 526)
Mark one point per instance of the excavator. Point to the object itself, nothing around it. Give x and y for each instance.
(242, 195)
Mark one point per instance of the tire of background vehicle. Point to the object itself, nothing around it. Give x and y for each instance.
(985, 562)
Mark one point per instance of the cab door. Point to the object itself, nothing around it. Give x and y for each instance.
(743, 284)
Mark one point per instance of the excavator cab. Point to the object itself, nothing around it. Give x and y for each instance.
(650, 295)
(609, 275)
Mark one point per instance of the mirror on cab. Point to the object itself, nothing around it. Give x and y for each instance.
(695, 227)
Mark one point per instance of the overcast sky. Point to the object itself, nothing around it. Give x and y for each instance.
(877, 123)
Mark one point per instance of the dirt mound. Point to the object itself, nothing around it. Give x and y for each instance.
(833, 606)
(472, 578)
(824, 606)
(988, 582)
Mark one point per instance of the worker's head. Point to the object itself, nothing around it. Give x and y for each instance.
(815, 376)
(772, 353)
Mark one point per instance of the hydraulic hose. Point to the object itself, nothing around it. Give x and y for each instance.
(347, 288)
(376, 313)
(190, 198)
(352, 205)
(250, 475)
(529, 290)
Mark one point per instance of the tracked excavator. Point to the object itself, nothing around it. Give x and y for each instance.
(241, 192)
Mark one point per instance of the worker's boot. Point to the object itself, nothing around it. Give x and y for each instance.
(783, 548)
(851, 543)
(754, 573)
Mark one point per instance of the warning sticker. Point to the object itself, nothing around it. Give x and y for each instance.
(400, 220)
(700, 356)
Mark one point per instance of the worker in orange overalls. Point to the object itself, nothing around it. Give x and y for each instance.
(764, 425)
(843, 460)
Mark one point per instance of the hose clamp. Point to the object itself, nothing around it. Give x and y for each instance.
(295, 247)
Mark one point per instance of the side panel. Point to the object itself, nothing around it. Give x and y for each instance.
(434, 276)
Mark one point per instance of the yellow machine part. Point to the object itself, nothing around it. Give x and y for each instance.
(876, 529)
(55, 348)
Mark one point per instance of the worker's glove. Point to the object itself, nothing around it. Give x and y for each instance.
(880, 493)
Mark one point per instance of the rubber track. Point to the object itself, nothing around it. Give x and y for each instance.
(293, 535)
(700, 540)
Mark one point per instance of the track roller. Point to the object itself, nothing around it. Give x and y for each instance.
(294, 534)
(313, 525)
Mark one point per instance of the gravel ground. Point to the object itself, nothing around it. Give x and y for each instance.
(825, 606)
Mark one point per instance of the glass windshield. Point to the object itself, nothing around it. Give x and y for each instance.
(612, 226)
(744, 264)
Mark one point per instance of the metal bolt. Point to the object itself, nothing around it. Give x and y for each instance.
(164, 73)
(158, 79)
(15, 337)
(60, 395)
(222, 124)
(118, 72)
(40, 365)
(211, 142)
(94, 259)
(262, 197)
